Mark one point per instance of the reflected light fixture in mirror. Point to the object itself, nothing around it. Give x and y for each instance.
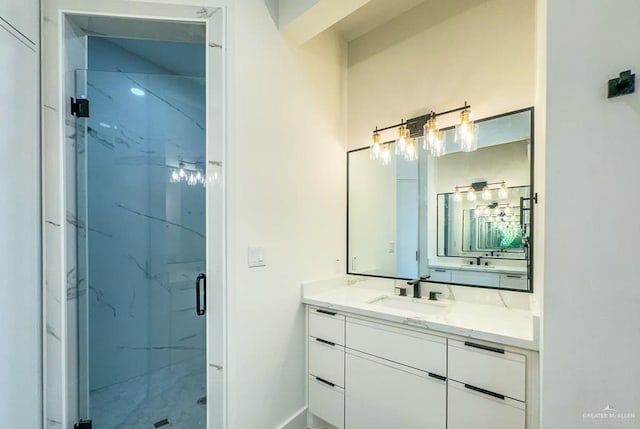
(483, 188)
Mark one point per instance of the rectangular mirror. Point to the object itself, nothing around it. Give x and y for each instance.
(461, 218)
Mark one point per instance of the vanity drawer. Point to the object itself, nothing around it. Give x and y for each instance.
(326, 325)
(439, 275)
(326, 401)
(513, 281)
(414, 349)
(488, 367)
(475, 278)
(326, 361)
(470, 407)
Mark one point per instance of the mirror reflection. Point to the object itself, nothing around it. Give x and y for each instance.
(491, 227)
(460, 218)
(382, 215)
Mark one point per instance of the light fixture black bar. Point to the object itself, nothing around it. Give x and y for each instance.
(390, 127)
(458, 109)
(427, 116)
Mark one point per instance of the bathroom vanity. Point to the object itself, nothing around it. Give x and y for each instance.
(378, 360)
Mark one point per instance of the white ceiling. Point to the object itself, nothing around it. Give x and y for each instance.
(372, 15)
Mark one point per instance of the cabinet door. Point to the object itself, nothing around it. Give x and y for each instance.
(470, 407)
(20, 297)
(381, 395)
(21, 15)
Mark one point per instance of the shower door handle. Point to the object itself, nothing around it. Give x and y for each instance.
(201, 295)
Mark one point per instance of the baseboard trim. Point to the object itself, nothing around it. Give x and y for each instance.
(296, 421)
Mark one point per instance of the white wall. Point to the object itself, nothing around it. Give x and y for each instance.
(395, 72)
(591, 295)
(286, 189)
(20, 232)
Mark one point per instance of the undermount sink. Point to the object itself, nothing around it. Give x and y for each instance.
(421, 305)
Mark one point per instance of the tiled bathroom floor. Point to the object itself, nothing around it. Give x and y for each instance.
(174, 393)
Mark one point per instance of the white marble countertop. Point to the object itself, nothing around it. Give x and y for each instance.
(499, 324)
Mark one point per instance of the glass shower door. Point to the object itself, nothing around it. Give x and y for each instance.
(141, 204)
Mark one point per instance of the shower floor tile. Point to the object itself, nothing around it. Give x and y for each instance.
(174, 393)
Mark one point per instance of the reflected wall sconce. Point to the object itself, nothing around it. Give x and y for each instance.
(466, 135)
(484, 189)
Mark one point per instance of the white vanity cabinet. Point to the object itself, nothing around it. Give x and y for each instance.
(486, 386)
(367, 373)
(326, 365)
(479, 277)
(394, 377)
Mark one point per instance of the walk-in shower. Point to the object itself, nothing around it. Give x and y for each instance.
(141, 168)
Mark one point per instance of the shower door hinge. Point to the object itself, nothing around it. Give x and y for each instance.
(80, 107)
(83, 424)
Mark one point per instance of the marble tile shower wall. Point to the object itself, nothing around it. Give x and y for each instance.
(146, 236)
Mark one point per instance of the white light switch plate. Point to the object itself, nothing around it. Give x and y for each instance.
(257, 257)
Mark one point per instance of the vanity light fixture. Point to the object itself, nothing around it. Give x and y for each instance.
(376, 147)
(503, 192)
(485, 189)
(486, 194)
(467, 131)
(457, 196)
(434, 139)
(403, 139)
(191, 175)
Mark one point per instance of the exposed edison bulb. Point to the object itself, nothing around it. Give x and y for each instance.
(401, 143)
(375, 147)
(175, 177)
(486, 194)
(467, 132)
(503, 192)
(434, 140)
(182, 173)
(471, 196)
(457, 196)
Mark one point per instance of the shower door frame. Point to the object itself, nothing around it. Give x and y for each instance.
(60, 317)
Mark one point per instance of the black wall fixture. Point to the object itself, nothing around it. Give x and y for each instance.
(625, 84)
